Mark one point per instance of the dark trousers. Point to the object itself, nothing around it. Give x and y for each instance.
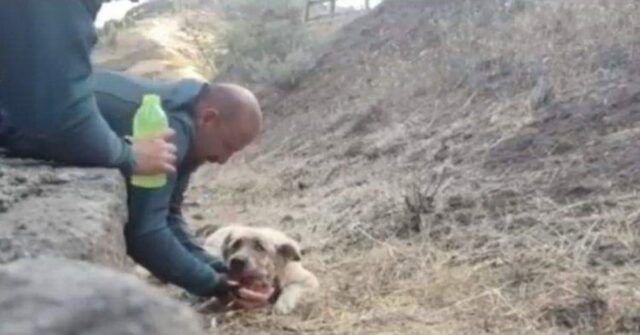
(46, 93)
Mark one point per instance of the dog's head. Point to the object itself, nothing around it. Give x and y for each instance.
(258, 255)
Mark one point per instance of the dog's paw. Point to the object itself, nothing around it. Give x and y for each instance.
(144, 274)
(284, 305)
(141, 272)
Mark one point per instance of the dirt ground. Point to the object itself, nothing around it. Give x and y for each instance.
(454, 167)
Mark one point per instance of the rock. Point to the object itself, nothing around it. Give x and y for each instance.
(67, 212)
(56, 296)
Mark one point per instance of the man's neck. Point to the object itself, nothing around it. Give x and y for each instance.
(191, 164)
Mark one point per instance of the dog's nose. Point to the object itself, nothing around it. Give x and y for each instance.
(237, 264)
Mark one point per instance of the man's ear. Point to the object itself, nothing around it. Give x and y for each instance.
(208, 115)
(226, 246)
(289, 252)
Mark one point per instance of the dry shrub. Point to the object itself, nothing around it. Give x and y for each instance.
(266, 42)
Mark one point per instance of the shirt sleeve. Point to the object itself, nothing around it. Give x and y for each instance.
(152, 242)
(180, 229)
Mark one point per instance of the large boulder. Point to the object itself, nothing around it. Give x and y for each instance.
(59, 297)
(67, 212)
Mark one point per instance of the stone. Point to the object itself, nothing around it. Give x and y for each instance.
(56, 296)
(76, 213)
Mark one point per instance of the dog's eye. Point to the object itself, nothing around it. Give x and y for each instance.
(236, 245)
(258, 246)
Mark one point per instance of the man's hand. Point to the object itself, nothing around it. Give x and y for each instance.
(240, 297)
(246, 298)
(156, 155)
(236, 297)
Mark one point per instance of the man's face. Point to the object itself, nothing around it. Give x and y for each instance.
(216, 140)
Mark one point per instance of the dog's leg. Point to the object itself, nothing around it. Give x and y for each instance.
(289, 298)
(297, 284)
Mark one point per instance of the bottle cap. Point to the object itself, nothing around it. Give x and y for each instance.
(151, 99)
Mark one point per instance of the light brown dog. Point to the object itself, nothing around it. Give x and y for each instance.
(264, 256)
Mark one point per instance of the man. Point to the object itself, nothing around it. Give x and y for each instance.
(47, 107)
(48, 110)
(211, 122)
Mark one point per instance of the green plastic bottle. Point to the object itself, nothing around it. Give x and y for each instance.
(150, 120)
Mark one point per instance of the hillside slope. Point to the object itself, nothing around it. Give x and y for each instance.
(154, 45)
(456, 167)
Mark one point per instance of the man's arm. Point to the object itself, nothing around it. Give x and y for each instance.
(181, 230)
(152, 243)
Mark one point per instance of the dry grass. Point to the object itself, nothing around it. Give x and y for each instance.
(491, 280)
(428, 190)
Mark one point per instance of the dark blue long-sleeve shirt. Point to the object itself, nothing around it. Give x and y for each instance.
(156, 233)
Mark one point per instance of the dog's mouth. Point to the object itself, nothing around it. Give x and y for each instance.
(251, 279)
(256, 283)
(246, 276)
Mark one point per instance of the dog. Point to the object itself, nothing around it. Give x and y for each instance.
(261, 255)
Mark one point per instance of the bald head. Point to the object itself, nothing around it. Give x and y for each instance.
(237, 107)
(228, 118)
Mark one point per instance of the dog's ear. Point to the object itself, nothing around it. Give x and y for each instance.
(226, 246)
(205, 231)
(289, 252)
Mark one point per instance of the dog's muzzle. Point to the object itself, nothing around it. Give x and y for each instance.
(237, 265)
